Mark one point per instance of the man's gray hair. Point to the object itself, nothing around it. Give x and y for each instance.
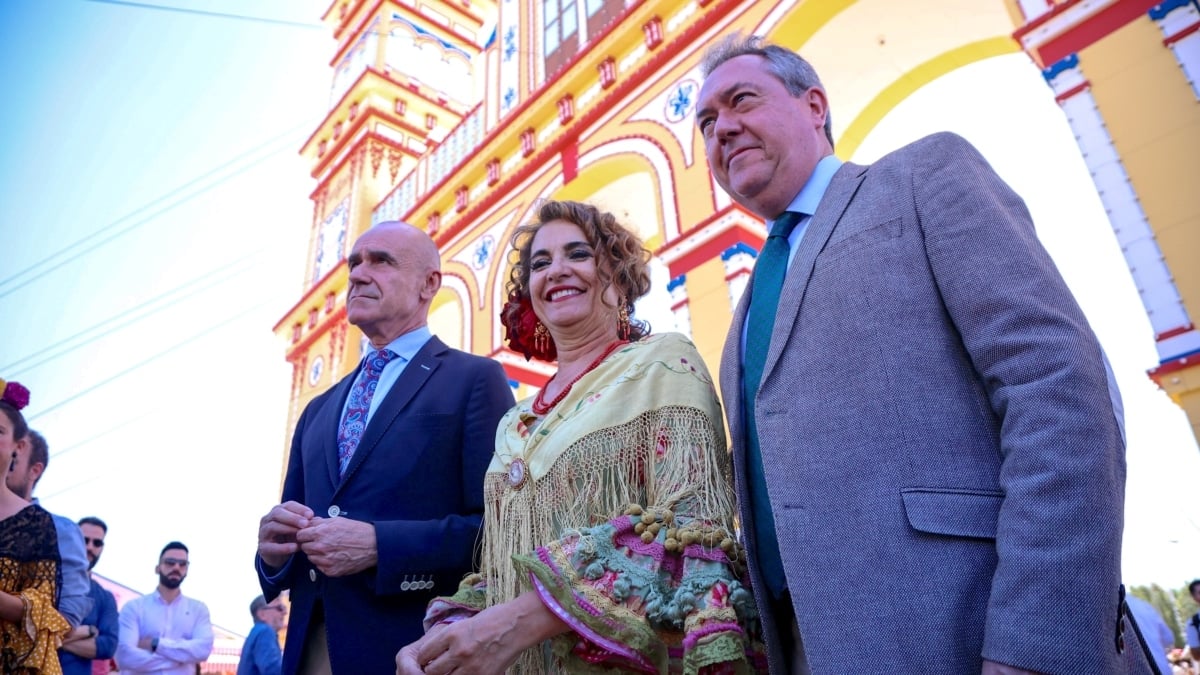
(796, 74)
(257, 604)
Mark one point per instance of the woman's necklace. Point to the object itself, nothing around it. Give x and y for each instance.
(517, 473)
(540, 407)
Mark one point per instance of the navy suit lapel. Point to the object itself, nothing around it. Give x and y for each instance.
(415, 374)
(833, 204)
(331, 419)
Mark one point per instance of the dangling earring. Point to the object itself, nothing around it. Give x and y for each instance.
(623, 322)
(541, 338)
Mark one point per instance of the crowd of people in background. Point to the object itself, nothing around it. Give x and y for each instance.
(606, 502)
(54, 617)
(1183, 660)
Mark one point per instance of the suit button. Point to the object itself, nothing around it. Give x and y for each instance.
(334, 511)
(312, 575)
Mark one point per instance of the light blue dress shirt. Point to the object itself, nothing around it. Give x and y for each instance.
(810, 196)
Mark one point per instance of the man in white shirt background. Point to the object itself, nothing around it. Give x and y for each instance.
(164, 631)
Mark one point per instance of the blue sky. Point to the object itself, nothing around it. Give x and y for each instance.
(157, 218)
(156, 227)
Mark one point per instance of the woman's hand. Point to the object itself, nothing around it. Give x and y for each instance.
(407, 662)
(12, 607)
(488, 642)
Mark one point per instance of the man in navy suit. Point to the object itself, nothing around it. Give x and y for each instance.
(383, 493)
(927, 443)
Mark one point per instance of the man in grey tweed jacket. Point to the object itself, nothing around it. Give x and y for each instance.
(940, 473)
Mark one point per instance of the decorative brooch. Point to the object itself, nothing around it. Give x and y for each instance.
(517, 474)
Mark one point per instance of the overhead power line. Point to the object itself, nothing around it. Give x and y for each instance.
(113, 323)
(102, 434)
(163, 204)
(148, 360)
(234, 17)
(67, 489)
(218, 15)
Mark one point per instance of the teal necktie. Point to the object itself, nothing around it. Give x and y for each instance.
(760, 321)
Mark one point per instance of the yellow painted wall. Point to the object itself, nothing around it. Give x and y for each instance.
(446, 319)
(708, 300)
(1159, 142)
(1191, 406)
(1183, 386)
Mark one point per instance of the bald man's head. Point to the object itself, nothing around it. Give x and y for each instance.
(420, 243)
(395, 270)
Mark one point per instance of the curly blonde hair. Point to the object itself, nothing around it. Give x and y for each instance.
(622, 260)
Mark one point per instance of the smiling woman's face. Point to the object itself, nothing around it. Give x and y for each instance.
(565, 285)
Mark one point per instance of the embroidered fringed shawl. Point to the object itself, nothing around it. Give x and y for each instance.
(643, 427)
(30, 568)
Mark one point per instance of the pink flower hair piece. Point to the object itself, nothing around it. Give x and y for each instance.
(520, 324)
(14, 394)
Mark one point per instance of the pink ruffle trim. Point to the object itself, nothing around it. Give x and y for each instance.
(615, 649)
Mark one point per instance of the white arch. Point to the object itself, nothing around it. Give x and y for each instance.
(455, 283)
(658, 160)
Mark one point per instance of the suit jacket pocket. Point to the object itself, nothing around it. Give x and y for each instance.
(957, 513)
(856, 240)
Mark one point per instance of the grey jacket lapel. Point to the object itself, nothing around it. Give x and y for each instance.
(833, 204)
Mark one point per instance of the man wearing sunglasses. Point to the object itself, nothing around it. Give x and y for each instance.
(88, 649)
(164, 632)
(261, 654)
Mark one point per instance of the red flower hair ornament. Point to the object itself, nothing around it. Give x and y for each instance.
(14, 394)
(520, 327)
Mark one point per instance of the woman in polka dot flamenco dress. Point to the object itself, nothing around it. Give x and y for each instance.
(30, 570)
